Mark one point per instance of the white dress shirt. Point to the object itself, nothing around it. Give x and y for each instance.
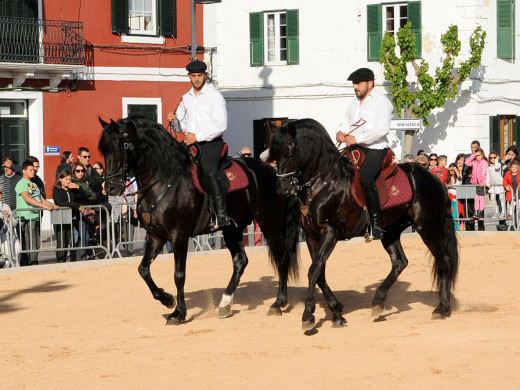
(372, 119)
(203, 114)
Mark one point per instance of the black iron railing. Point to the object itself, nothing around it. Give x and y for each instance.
(41, 41)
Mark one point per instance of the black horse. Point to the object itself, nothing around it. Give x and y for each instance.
(310, 166)
(171, 208)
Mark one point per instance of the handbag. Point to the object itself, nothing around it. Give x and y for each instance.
(481, 190)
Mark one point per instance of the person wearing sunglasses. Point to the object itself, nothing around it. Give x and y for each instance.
(245, 152)
(432, 161)
(92, 176)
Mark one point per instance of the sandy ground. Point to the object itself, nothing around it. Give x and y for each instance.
(95, 325)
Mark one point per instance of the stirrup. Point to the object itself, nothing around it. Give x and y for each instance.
(370, 236)
(214, 225)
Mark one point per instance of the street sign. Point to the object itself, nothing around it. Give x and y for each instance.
(52, 150)
(405, 124)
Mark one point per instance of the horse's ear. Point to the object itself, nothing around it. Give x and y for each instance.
(291, 129)
(103, 123)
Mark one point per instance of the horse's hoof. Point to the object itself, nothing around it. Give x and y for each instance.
(274, 311)
(168, 300)
(438, 316)
(174, 320)
(377, 310)
(339, 323)
(308, 325)
(225, 311)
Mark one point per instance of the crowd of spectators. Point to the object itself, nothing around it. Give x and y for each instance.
(494, 176)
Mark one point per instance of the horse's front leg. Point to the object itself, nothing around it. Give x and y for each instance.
(152, 248)
(320, 252)
(180, 251)
(233, 237)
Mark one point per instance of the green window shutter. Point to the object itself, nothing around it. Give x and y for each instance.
(516, 131)
(494, 134)
(374, 31)
(146, 110)
(168, 18)
(414, 17)
(256, 38)
(19, 9)
(505, 29)
(119, 16)
(293, 46)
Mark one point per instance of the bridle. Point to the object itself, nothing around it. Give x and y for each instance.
(295, 174)
(123, 172)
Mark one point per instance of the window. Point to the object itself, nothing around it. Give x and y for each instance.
(274, 38)
(148, 107)
(144, 17)
(506, 28)
(391, 17)
(504, 131)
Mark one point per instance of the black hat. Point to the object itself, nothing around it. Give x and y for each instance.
(362, 74)
(196, 67)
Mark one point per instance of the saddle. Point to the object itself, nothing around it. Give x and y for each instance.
(392, 183)
(235, 176)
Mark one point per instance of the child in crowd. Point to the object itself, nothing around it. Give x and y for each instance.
(495, 185)
(511, 186)
(440, 170)
(478, 161)
(457, 208)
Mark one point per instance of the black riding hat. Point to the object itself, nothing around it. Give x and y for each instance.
(196, 67)
(362, 74)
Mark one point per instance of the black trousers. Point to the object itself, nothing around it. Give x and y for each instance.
(210, 155)
(371, 168)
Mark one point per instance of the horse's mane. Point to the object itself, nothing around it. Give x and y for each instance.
(156, 147)
(315, 148)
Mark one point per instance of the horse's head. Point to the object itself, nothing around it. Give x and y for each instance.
(116, 144)
(284, 151)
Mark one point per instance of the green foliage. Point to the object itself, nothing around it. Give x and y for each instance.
(428, 92)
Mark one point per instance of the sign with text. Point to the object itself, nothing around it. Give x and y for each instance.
(52, 150)
(405, 124)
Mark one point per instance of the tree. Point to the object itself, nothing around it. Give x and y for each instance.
(428, 92)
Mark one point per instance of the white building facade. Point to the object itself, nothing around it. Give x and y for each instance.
(291, 58)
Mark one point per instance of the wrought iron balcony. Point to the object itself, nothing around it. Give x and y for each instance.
(40, 41)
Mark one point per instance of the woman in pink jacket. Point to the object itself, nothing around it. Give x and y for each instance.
(479, 163)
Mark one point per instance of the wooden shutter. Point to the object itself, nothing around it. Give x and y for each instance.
(516, 131)
(505, 29)
(414, 17)
(119, 16)
(374, 31)
(494, 135)
(256, 38)
(168, 18)
(293, 49)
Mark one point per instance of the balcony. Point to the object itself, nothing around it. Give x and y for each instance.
(36, 48)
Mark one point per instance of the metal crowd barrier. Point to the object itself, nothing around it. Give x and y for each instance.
(8, 240)
(467, 192)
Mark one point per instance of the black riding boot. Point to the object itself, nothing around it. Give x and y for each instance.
(218, 193)
(374, 212)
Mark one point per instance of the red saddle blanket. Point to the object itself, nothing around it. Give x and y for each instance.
(399, 191)
(235, 174)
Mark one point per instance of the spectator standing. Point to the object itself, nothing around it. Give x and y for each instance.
(495, 185)
(245, 152)
(479, 174)
(65, 198)
(511, 186)
(408, 158)
(28, 196)
(422, 160)
(457, 208)
(467, 174)
(8, 182)
(37, 179)
(66, 161)
(440, 170)
(9, 223)
(92, 177)
(432, 159)
(510, 154)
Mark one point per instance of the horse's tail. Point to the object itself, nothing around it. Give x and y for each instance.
(291, 231)
(450, 261)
